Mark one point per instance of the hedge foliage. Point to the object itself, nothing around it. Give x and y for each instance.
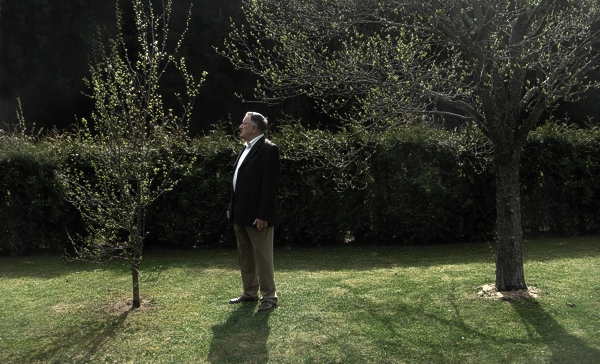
(33, 214)
(420, 186)
(561, 181)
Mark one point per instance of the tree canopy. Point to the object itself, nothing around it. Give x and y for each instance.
(500, 65)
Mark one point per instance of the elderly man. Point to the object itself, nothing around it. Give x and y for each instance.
(253, 210)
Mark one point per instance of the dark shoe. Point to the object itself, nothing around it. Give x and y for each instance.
(241, 299)
(267, 305)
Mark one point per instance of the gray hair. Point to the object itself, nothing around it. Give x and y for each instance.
(259, 120)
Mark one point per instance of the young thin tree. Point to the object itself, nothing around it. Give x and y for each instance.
(500, 64)
(131, 140)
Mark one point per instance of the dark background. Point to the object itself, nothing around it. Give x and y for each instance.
(45, 52)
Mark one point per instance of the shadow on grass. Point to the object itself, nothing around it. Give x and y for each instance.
(403, 328)
(78, 345)
(242, 338)
(563, 347)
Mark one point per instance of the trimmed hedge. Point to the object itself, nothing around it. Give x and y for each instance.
(561, 181)
(33, 214)
(426, 189)
(193, 214)
(420, 186)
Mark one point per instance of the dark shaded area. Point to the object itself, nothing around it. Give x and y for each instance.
(45, 51)
(43, 58)
(86, 338)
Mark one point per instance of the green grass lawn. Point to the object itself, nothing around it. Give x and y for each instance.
(336, 305)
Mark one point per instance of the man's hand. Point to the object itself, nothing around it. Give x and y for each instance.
(228, 215)
(260, 224)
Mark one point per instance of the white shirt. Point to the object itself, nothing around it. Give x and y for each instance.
(249, 146)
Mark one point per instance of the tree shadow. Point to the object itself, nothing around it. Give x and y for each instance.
(399, 320)
(74, 345)
(542, 327)
(242, 338)
(563, 346)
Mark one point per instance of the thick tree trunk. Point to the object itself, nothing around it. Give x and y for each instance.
(509, 260)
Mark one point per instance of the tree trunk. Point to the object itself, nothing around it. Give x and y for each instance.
(509, 260)
(137, 240)
(135, 276)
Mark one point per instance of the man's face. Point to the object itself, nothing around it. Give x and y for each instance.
(248, 130)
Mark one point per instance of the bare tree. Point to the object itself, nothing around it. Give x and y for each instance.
(500, 64)
(131, 140)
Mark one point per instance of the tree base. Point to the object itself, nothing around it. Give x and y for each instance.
(490, 291)
(127, 306)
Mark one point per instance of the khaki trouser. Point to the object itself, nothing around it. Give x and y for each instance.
(255, 256)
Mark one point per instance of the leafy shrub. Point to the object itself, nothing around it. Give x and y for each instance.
(420, 186)
(33, 214)
(194, 212)
(424, 191)
(561, 181)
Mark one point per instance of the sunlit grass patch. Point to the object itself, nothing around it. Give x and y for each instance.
(336, 305)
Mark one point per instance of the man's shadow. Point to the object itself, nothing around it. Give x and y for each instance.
(242, 338)
(563, 347)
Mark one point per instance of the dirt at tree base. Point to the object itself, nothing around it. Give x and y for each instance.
(490, 291)
(125, 306)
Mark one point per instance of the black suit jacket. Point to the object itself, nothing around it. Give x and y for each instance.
(255, 195)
